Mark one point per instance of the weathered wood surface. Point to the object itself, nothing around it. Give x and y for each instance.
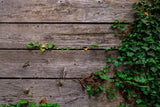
(53, 64)
(65, 10)
(70, 94)
(64, 35)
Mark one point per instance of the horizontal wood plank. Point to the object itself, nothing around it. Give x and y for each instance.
(65, 10)
(51, 64)
(70, 94)
(75, 36)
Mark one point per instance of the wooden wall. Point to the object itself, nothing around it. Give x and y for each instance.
(67, 23)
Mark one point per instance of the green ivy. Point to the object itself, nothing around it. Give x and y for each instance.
(140, 52)
(25, 103)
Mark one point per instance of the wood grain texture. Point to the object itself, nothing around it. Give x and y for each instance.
(65, 10)
(12, 91)
(75, 36)
(53, 64)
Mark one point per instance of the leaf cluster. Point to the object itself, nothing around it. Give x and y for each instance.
(140, 54)
(25, 103)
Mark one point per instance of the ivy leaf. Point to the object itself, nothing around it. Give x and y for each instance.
(36, 44)
(68, 48)
(42, 105)
(112, 95)
(110, 59)
(30, 46)
(106, 70)
(50, 46)
(56, 105)
(101, 88)
(42, 50)
(154, 69)
(31, 104)
(122, 28)
(96, 73)
(108, 90)
(130, 54)
(114, 90)
(138, 101)
(104, 76)
(117, 63)
(44, 46)
(89, 88)
(117, 21)
(134, 95)
(126, 71)
(96, 46)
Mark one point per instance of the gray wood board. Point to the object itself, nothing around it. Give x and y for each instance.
(66, 10)
(52, 64)
(70, 94)
(75, 36)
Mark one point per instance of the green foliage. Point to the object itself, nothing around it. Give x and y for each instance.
(25, 103)
(140, 52)
(30, 45)
(42, 47)
(96, 46)
(50, 46)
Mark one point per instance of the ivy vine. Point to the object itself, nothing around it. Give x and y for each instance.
(139, 52)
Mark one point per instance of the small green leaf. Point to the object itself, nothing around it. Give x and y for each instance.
(36, 44)
(106, 66)
(114, 26)
(57, 48)
(96, 73)
(106, 70)
(108, 90)
(117, 63)
(105, 77)
(122, 28)
(62, 48)
(112, 95)
(30, 46)
(114, 90)
(44, 46)
(134, 95)
(42, 105)
(31, 104)
(50, 46)
(109, 96)
(56, 105)
(110, 59)
(109, 85)
(101, 88)
(96, 46)
(138, 101)
(89, 88)
(42, 50)
(117, 21)
(154, 69)
(130, 54)
(50, 105)
(68, 48)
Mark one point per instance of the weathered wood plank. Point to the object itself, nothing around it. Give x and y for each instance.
(65, 10)
(70, 94)
(75, 36)
(54, 64)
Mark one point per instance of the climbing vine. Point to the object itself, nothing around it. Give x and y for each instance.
(25, 103)
(139, 54)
